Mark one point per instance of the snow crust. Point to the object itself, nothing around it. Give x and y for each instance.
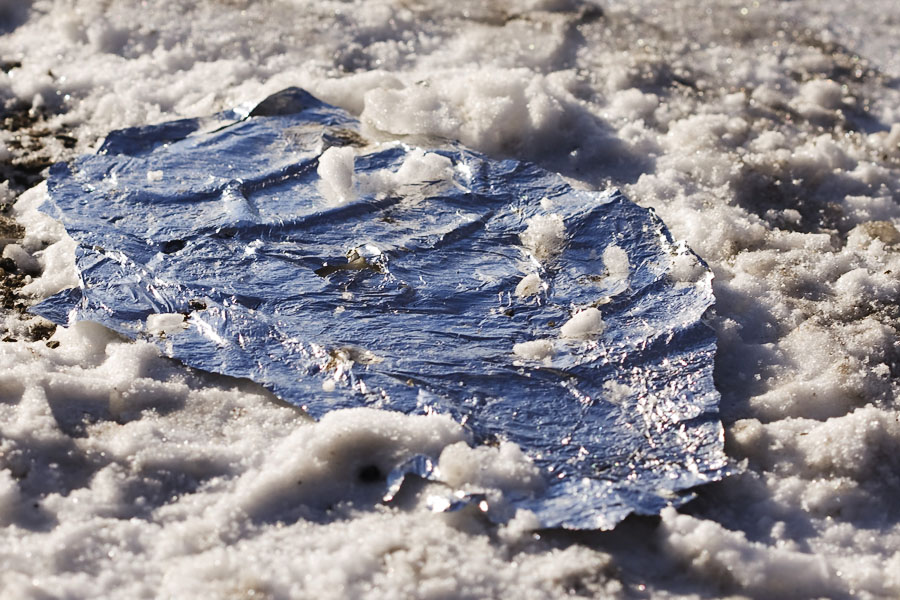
(767, 136)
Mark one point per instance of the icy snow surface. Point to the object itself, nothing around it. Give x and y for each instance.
(766, 135)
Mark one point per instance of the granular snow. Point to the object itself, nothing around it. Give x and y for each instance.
(767, 136)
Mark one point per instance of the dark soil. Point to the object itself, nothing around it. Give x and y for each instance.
(11, 301)
(25, 167)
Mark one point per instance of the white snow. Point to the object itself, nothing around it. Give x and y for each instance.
(766, 136)
(544, 236)
(336, 172)
(585, 324)
(339, 184)
(419, 168)
(529, 285)
(534, 349)
(49, 244)
(615, 259)
(23, 261)
(166, 323)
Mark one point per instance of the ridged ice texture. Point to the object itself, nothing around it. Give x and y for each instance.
(403, 298)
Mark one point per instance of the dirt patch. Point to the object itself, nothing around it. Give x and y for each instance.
(10, 231)
(34, 140)
(12, 302)
(10, 282)
(30, 143)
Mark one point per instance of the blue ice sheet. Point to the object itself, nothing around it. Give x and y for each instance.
(404, 300)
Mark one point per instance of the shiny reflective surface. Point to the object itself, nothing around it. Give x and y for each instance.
(404, 299)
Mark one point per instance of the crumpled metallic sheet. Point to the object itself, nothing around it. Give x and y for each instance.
(221, 220)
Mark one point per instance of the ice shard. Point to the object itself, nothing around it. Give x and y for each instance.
(281, 245)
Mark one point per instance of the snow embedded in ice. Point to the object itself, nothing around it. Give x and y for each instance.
(585, 324)
(544, 236)
(615, 259)
(419, 168)
(484, 468)
(529, 285)
(534, 349)
(704, 111)
(166, 323)
(337, 181)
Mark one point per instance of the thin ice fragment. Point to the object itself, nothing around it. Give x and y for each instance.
(286, 248)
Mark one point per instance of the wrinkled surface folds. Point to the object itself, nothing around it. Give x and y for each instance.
(404, 298)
